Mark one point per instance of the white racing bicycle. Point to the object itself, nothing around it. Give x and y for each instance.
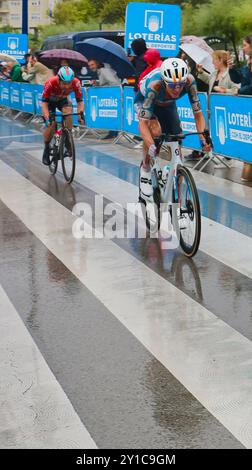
(174, 190)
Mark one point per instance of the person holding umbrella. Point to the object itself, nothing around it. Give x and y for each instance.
(219, 81)
(106, 75)
(36, 72)
(55, 96)
(4, 71)
(57, 58)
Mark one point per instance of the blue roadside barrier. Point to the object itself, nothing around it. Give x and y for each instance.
(112, 108)
(38, 90)
(5, 94)
(27, 98)
(231, 126)
(130, 119)
(104, 108)
(15, 97)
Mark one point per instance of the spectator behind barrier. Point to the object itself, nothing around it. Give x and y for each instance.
(106, 75)
(201, 86)
(37, 73)
(15, 72)
(26, 61)
(243, 75)
(219, 81)
(63, 63)
(139, 48)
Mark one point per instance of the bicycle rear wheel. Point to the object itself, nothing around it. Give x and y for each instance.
(53, 159)
(151, 210)
(67, 155)
(187, 216)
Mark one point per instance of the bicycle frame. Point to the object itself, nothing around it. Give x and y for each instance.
(63, 117)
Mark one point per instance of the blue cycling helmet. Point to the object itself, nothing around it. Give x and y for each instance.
(66, 74)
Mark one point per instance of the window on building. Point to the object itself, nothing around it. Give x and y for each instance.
(35, 16)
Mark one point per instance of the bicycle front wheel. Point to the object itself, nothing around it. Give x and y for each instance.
(151, 210)
(67, 155)
(186, 213)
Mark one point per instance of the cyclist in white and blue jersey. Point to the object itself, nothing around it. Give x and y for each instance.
(157, 111)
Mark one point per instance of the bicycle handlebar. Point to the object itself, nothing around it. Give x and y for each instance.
(178, 137)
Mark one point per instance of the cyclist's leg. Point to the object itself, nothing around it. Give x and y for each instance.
(146, 190)
(169, 119)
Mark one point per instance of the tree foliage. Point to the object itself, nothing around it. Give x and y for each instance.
(68, 11)
(231, 19)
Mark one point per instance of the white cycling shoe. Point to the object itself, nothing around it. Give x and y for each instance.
(146, 190)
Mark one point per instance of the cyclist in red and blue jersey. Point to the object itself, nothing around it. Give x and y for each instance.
(157, 111)
(55, 96)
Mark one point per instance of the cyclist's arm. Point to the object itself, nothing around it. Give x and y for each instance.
(45, 110)
(146, 112)
(78, 91)
(78, 96)
(145, 132)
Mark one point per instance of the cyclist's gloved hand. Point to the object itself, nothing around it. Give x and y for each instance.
(205, 147)
(81, 119)
(47, 122)
(152, 151)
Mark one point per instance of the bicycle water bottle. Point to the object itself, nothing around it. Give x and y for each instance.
(57, 137)
(165, 174)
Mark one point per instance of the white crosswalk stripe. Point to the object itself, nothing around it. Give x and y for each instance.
(34, 412)
(206, 355)
(217, 240)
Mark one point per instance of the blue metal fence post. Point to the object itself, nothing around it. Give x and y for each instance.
(25, 16)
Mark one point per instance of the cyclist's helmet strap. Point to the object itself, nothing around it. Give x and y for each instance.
(174, 71)
(66, 74)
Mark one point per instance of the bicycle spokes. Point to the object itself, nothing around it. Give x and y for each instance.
(188, 212)
(67, 153)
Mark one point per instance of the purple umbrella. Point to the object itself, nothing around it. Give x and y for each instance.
(109, 52)
(54, 57)
(197, 42)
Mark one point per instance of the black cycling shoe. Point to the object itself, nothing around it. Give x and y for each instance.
(46, 156)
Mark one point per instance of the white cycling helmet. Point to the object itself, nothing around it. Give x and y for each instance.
(174, 71)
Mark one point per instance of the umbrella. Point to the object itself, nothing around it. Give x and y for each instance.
(7, 58)
(199, 56)
(197, 42)
(109, 52)
(53, 58)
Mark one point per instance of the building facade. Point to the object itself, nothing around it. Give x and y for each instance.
(11, 12)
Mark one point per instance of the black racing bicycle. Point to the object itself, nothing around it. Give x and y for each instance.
(62, 147)
(177, 193)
